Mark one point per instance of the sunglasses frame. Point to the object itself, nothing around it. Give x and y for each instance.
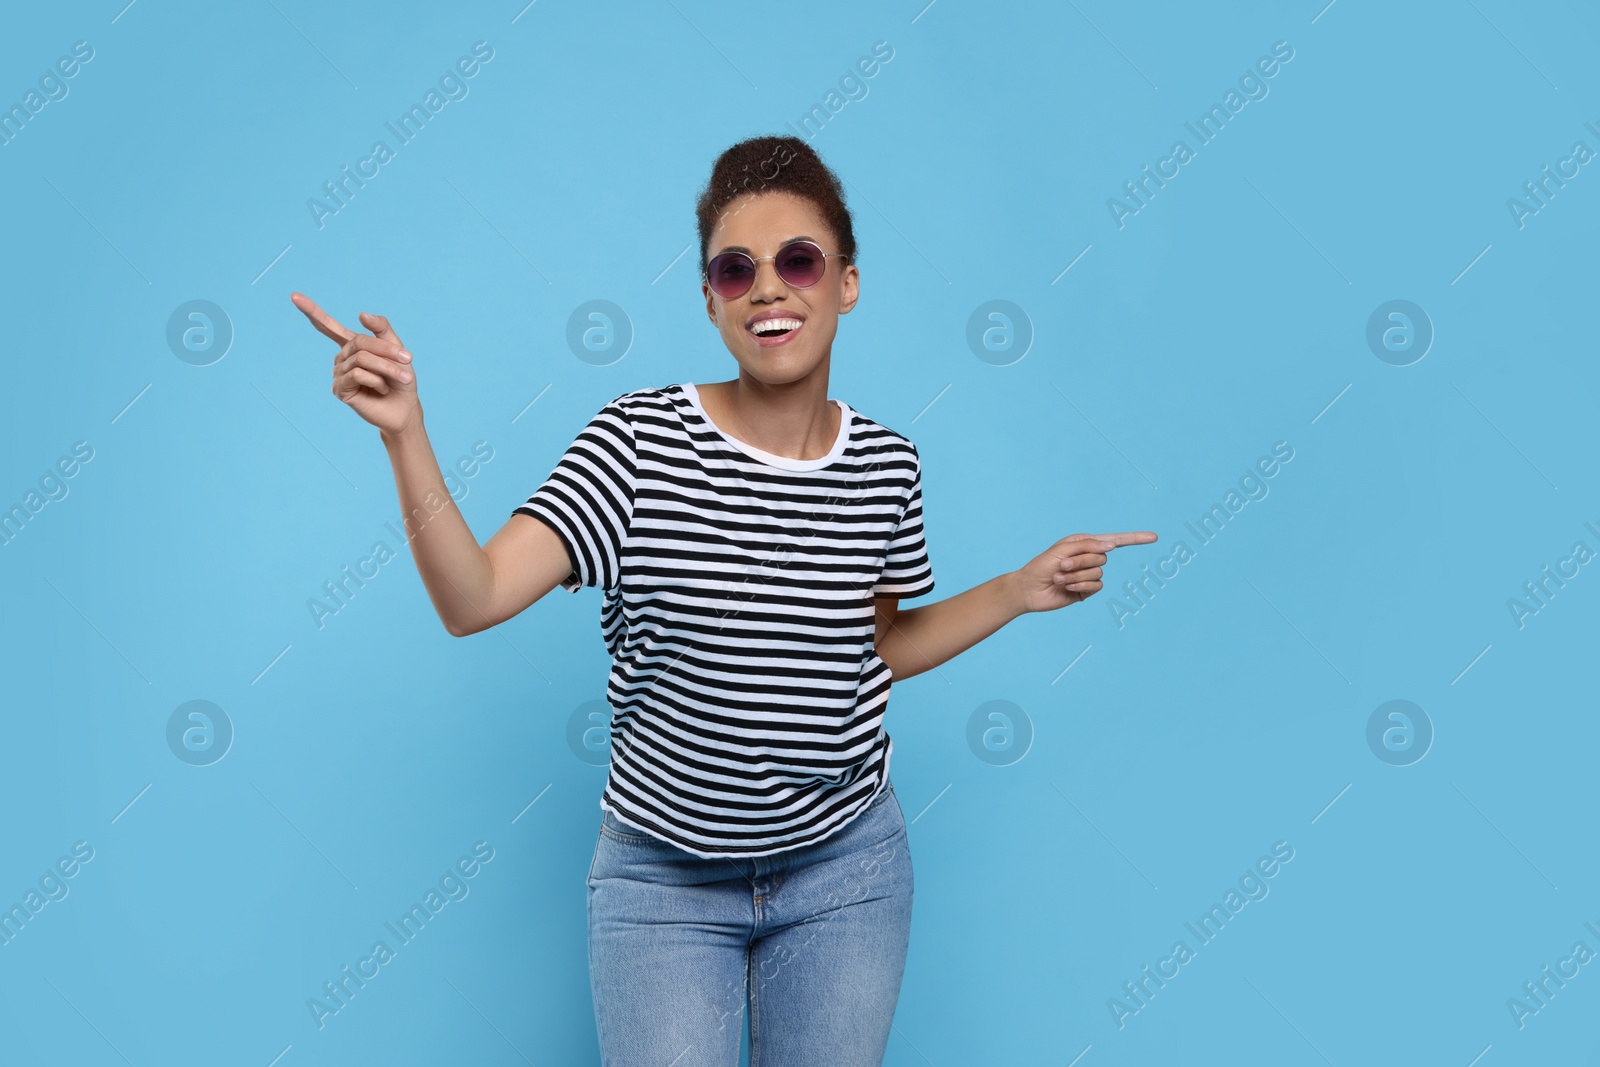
(705, 269)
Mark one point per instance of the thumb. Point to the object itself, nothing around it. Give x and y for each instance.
(380, 328)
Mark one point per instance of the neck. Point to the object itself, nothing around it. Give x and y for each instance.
(793, 419)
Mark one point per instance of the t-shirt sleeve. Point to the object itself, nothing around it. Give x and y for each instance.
(588, 498)
(907, 571)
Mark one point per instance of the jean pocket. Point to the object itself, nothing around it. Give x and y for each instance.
(613, 828)
(594, 859)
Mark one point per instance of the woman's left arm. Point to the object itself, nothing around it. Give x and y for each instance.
(1068, 572)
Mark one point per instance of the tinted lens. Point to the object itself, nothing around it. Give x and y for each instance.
(730, 274)
(801, 264)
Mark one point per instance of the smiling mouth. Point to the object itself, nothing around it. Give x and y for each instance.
(771, 329)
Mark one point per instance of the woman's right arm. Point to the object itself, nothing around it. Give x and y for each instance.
(472, 587)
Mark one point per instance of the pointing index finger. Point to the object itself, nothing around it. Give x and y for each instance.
(324, 322)
(1135, 537)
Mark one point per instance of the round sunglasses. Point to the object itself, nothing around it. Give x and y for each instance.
(799, 263)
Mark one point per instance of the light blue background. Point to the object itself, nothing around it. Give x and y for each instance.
(1228, 314)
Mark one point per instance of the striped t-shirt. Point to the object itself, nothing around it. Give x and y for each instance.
(747, 696)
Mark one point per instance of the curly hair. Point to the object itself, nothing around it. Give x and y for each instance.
(775, 164)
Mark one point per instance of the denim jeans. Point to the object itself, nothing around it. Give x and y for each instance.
(813, 940)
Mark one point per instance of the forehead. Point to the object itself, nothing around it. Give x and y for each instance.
(763, 221)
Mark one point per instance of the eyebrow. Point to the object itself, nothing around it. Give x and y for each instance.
(785, 241)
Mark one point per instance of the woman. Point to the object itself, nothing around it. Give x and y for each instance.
(753, 539)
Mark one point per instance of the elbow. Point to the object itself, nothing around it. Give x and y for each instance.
(477, 623)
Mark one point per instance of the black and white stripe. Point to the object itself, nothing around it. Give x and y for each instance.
(746, 693)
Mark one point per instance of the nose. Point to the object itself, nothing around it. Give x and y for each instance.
(767, 284)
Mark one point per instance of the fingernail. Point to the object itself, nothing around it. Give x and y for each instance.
(403, 352)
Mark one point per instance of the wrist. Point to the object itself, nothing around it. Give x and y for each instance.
(407, 435)
(1016, 599)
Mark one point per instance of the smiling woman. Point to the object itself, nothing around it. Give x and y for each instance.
(752, 540)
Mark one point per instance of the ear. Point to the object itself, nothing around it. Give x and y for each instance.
(711, 303)
(849, 288)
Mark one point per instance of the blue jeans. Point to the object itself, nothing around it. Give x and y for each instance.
(813, 939)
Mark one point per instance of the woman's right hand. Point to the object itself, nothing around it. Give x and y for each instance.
(371, 372)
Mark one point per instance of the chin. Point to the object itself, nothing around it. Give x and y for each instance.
(771, 375)
(776, 366)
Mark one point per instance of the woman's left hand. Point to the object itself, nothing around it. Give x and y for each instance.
(1069, 571)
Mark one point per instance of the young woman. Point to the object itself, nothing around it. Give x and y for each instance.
(753, 539)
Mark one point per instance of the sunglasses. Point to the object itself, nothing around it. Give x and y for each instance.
(799, 263)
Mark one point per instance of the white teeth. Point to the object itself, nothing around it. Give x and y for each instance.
(766, 326)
